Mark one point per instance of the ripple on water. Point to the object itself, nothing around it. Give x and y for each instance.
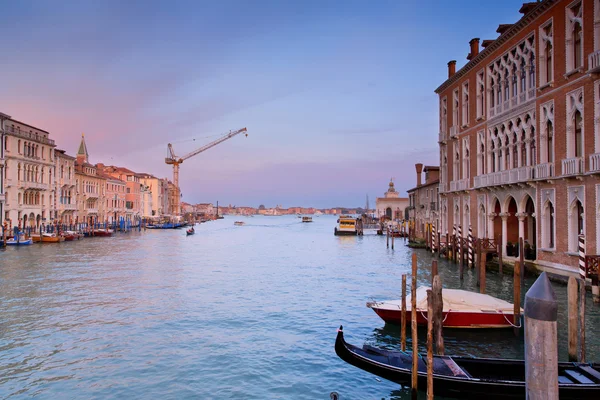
(232, 312)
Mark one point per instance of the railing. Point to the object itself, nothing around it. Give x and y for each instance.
(572, 166)
(443, 137)
(594, 61)
(91, 210)
(595, 162)
(68, 206)
(34, 185)
(544, 171)
(531, 93)
(30, 136)
(506, 177)
(453, 131)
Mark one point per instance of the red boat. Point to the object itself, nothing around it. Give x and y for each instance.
(462, 309)
(102, 232)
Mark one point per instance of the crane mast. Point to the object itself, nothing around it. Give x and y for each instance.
(172, 159)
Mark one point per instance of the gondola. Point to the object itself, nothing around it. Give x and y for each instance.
(468, 377)
(190, 231)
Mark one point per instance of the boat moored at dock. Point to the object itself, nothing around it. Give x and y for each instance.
(47, 238)
(346, 226)
(468, 377)
(462, 309)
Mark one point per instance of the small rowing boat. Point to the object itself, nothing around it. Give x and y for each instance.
(469, 377)
(462, 309)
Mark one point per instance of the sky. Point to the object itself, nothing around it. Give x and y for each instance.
(337, 96)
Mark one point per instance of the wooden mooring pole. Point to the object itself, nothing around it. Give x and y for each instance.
(387, 237)
(482, 268)
(429, 345)
(403, 315)
(392, 240)
(572, 293)
(434, 270)
(499, 250)
(413, 323)
(438, 313)
(582, 320)
(541, 350)
(522, 260)
(516, 297)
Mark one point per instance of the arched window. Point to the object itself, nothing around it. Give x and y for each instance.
(19, 172)
(550, 149)
(577, 48)
(18, 146)
(551, 226)
(578, 135)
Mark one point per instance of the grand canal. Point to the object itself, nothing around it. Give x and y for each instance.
(245, 312)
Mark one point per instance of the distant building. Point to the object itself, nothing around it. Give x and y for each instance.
(91, 188)
(423, 199)
(65, 189)
(391, 205)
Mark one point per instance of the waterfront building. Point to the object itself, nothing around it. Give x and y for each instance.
(114, 199)
(519, 134)
(28, 171)
(172, 200)
(205, 209)
(133, 189)
(145, 201)
(91, 188)
(423, 200)
(3, 117)
(65, 188)
(159, 189)
(391, 205)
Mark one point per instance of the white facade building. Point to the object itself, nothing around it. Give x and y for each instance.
(65, 190)
(29, 174)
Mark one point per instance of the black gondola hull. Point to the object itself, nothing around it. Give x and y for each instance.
(451, 380)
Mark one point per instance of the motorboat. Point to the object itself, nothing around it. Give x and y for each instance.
(468, 377)
(72, 235)
(346, 226)
(307, 219)
(47, 238)
(21, 240)
(239, 223)
(462, 309)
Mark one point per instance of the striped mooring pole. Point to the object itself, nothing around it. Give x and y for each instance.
(433, 236)
(460, 250)
(470, 247)
(582, 269)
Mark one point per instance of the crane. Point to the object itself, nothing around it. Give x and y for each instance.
(172, 159)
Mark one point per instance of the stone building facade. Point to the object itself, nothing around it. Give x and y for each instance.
(391, 205)
(91, 189)
(519, 134)
(65, 189)
(28, 174)
(423, 199)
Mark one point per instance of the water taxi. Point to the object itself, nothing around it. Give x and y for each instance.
(347, 226)
(239, 223)
(306, 219)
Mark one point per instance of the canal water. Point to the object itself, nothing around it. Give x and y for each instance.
(233, 312)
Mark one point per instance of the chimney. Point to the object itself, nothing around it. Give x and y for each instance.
(474, 48)
(419, 168)
(451, 68)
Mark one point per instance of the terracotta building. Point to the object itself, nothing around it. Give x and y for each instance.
(519, 134)
(423, 209)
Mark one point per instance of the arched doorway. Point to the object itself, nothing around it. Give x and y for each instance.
(496, 228)
(32, 220)
(530, 222)
(388, 212)
(576, 226)
(511, 232)
(481, 231)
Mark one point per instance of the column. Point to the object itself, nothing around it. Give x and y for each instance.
(521, 217)
(504, 217)
(491, 217)
(528, 148)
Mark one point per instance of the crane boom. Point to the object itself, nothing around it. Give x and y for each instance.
(212, 144)
(172, 159)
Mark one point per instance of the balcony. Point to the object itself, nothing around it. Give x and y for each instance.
(453, 131)
(507, 177)
(68, 206)
(443, 137)
(544, 171)
(572, 166)
(595, 162)
(91, 210)
(34, 185)
(31, 136)
(594, 62)
(462, 184)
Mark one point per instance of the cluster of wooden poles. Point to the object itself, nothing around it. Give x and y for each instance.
(435, 340)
